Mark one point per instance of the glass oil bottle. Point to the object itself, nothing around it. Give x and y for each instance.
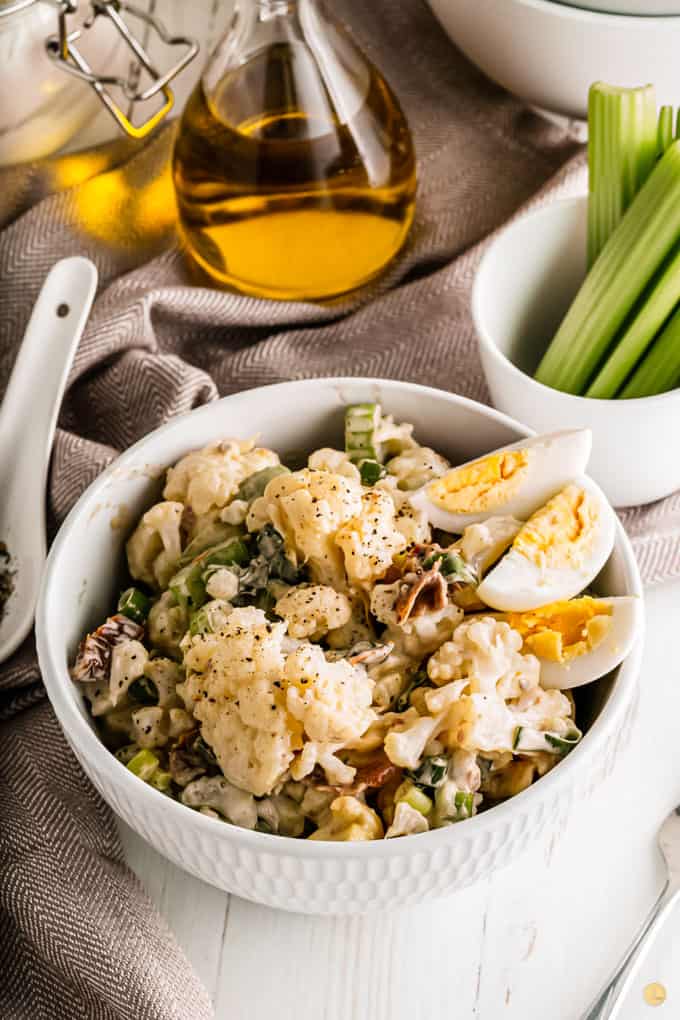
(294, 166)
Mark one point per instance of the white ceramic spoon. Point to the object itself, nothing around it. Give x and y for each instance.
(28, 418)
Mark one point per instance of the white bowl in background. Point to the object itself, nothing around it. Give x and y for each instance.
(640, 8)
(523, 287)
(550, 53)
(82, 580)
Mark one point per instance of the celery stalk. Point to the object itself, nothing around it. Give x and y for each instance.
(660, 369)
(639, 335)
(677, 124)
(649, 229)
(622, 148)
(664, 133)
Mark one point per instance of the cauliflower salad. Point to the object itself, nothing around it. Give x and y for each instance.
(374, 645)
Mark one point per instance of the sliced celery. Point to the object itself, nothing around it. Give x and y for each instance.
(361, 421)
(144, 764)
(644, 237)
(664, 134)
(639, 335)
(677, 124)
(660, 369)
(622, 148)
(414, 797)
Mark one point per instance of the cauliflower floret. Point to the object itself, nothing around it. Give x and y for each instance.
(209, 478)
(488, 653)
(421, 635)
(167, 624)
(416, 467)
(391, 677)
(165, 675)
(215, 792)
(312, 610)
(128, 660)
(332, 700)
(358, 628)
(234, 681)
(407, 821)
(222, 584)
(150, 726)
(335, 461)
(391, 439)
(349, 820)
(406, 741)
(155, 545)
(307, 508)
(370, 541)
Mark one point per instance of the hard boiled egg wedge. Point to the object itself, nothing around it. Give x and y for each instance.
(580, 640)
(556, 554)
(514, 480)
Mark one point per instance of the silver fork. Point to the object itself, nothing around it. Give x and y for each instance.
(608, 1004)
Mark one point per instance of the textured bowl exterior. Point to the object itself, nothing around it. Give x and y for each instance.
(299, 875)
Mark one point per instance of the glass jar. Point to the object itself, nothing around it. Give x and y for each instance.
(294, 166)
(43, 108)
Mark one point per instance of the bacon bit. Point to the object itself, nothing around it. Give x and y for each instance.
(421, 593)
(93, 661)
(371, 776)
(371, 656)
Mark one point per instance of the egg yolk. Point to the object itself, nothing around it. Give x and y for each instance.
(563, 630)
(485, 484)
(559, 534)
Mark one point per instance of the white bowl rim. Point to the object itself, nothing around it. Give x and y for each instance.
(58, 683)
(486, 341)
(586, 14)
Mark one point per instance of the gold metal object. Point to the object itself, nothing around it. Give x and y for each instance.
(63, 51)
(654, 994)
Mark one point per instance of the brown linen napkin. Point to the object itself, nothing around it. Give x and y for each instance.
(78, 935)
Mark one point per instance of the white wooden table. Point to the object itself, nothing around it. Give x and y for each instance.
(534, 942)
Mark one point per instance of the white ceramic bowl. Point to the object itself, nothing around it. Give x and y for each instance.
(523, 287)
(642, 8)
(549, 53)
(80, 585)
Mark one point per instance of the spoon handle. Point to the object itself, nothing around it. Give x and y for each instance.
(28, 418)
(33, 396)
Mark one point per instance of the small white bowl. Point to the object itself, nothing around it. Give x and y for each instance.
(550, 53)
(523, 287)
(82, 579)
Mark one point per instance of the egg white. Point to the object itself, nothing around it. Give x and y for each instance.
(626, 624)
(517, 584)
(555, 459)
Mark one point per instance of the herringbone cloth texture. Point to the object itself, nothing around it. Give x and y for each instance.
(78, 937)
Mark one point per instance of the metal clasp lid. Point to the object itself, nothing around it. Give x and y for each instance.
(63, 51)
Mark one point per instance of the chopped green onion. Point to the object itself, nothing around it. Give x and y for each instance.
(214, 533)
(622, 148)
(361, 421)
(634, 252)
(664, 135)
(371, 471)
(660, 368)
(640, 334)
(465, 802)
(161, 780)
(527, 739)
(253, 486)
(431, 772)
(134, 604)
(414, 797)
(188, 584)
(144, 764)
(144, 691)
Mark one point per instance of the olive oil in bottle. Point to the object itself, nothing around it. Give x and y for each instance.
(294, 166)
